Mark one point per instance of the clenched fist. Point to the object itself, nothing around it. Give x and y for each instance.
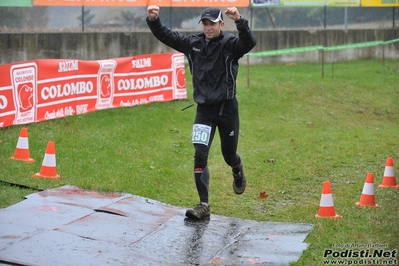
(152, 12)
(232, 12)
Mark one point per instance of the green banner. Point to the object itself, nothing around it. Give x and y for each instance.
(351, 46)
(319, 47)
(287, 51)
(16, 3)
(391, 41)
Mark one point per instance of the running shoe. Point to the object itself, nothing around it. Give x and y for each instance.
(200, 212)
(239, 182)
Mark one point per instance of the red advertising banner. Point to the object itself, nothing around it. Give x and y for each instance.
(41, 90)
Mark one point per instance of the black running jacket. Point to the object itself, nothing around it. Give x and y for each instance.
(213, 67)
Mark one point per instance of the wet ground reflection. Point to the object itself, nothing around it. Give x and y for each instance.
(195, 243)
(72, 226)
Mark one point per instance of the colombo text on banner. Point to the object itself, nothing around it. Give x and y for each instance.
(46, 89)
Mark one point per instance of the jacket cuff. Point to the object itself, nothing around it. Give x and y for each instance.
(241, 17)
(152, 20)
(241, 23)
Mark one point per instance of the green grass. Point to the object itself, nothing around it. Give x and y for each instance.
(297, 130)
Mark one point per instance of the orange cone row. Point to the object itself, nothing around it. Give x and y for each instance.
(367, 198)
(326, 208)
(48, 169)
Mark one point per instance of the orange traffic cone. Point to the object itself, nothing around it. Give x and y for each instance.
(368, 198)
(326, 209)
(389, 179)
(48, 169)
(22, 150)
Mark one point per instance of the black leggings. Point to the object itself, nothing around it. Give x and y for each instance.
(225, 117)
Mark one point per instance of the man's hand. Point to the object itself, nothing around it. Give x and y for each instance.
(232, 12)
(152, 12)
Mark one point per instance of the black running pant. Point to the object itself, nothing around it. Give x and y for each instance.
(225, 118)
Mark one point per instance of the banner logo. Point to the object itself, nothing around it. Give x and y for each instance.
(179, 77)
(105, 84)
(24, 82)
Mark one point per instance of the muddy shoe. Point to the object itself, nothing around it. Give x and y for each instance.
(200, 212)
(239, 182)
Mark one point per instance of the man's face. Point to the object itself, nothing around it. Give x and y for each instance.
(211, 29)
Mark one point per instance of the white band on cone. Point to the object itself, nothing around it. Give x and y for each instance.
(389, 171)
(326, 200)
(49, 160)
(368, 189)
(23, 143)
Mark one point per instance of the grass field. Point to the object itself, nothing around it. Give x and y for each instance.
(297, 130)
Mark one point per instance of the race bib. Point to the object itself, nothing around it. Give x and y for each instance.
(201, 134)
